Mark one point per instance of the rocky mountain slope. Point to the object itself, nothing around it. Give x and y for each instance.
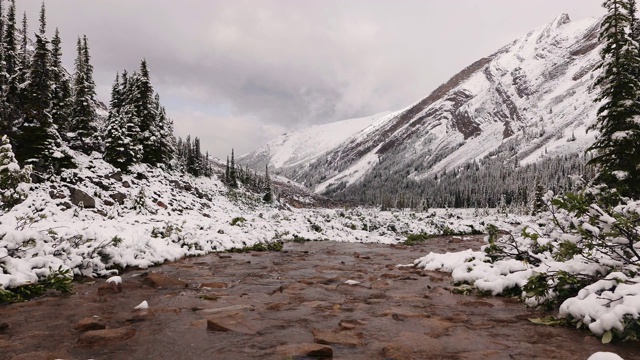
(529, 101)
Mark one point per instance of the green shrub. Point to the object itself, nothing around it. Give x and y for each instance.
(60, 280)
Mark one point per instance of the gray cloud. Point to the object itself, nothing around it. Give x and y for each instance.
(276, 65)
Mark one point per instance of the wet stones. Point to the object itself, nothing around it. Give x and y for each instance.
(90, 324)
(214, 285)
(310, 350)
(413, 346)
(235, 322)
(157, 280)
(105, 336)
(349, 324)
(329, 338)
(109, 288)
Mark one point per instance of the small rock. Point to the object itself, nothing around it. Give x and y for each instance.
(311, 350)
(356, 254)
(126, 184)
(108, 202)
(414, 346)
(232, 322)
(96, 337)
(65, 204)
(56, 194)
(156, 280)
(142, 306)
(118, 197)
(90, 323)
(101, 212)
(162, 205)
(109, 288)
(81, 198)
(349, 324)
(38, 355)
(329, 338)
(214, 285)
(117, 176)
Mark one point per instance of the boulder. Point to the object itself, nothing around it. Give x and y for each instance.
(109, 288)
(162, 205)
(232, 322)
(176, 184)
(97, 337)
(310, 350)
(118, 197)
(90, 323)
(117, 176)
(329, 338)
(126, 184)
(156, 280)
(56, 194)
(414, 346)
(81, 198)
(66, 205)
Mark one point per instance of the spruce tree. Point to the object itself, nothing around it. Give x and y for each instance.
(40, 143)
(538, 198)
(12, 192)
(197, 158)
(162, 148)
(634, 26)
(121, 147)
(1, 48)
(233, 181)
(227, 178)
(268, 196)
(23, 67)
(617, 149)
(9, 89)
(146, 112)
(83, 127)
(61, 101)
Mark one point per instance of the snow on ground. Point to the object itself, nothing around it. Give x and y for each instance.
(541, 263)
(176, 217)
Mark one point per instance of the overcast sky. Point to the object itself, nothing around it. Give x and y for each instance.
(238, 73)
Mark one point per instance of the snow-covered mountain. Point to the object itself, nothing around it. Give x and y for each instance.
(533, 97)
(304, 146)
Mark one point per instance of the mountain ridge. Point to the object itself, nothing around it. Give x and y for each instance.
(536, 92)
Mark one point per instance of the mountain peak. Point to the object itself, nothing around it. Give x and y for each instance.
(560, 20)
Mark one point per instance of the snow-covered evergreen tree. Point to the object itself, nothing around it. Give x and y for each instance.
(39, 141)
(12, 178)
(9, 89)
(268, 196)
(121, 147)
(617, 149)
(61, 101)
(233, 180)
(84, 134)
(145, 109)
(163, 146)
(23, 57)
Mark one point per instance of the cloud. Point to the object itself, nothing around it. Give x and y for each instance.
(219, 133)
(292, 63)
